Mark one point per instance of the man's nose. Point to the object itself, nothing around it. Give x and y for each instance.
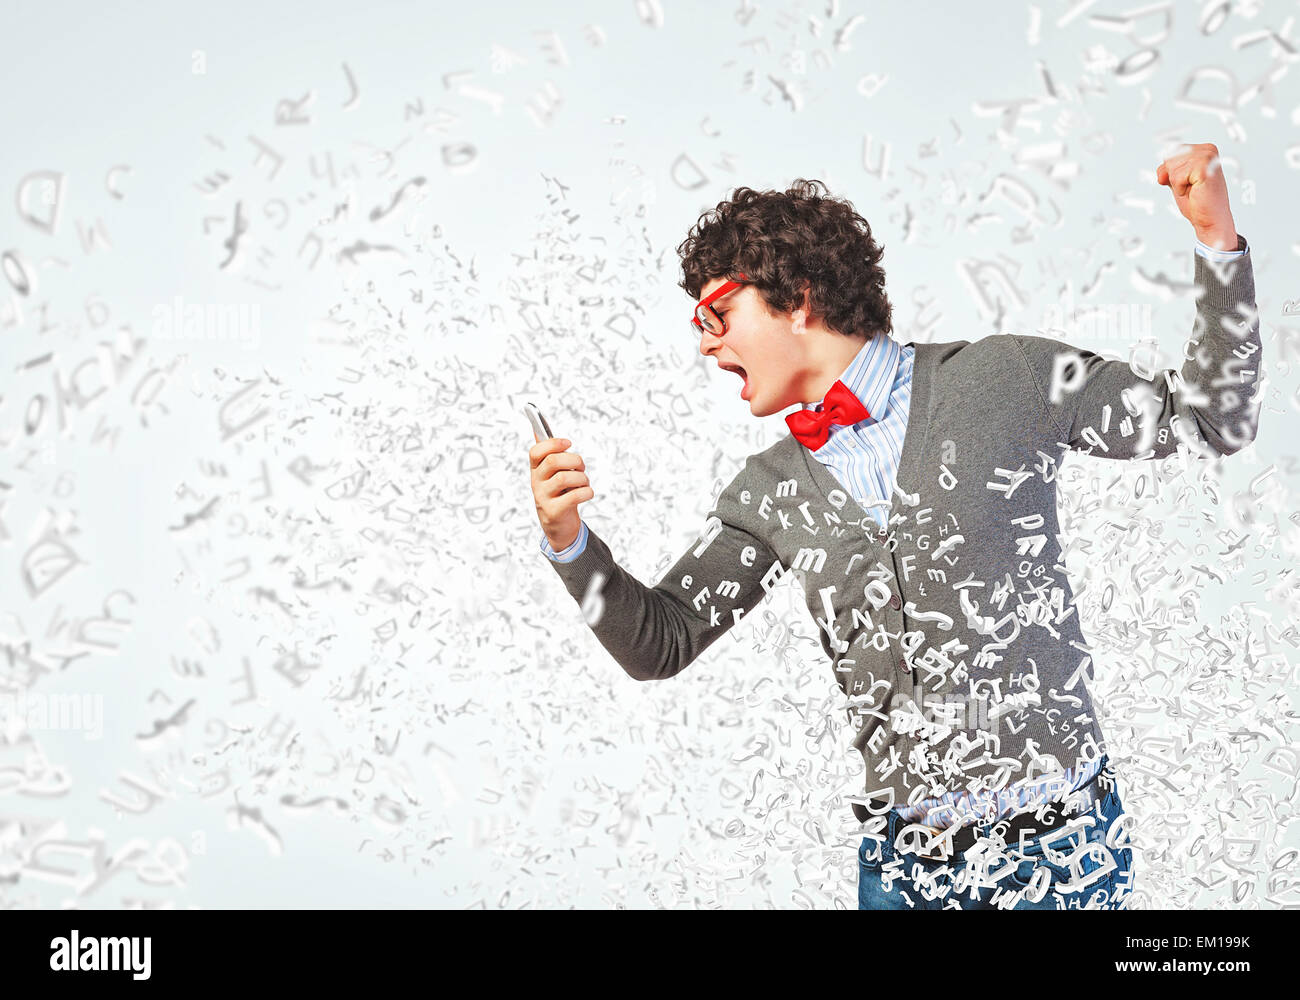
(709, 344)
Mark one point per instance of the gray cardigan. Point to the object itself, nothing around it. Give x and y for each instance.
(964, 600)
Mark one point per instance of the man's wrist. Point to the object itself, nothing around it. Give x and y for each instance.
(1221, 238)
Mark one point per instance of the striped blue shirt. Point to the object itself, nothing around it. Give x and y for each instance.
(863, 457)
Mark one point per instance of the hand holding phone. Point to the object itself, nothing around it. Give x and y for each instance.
(559, 480)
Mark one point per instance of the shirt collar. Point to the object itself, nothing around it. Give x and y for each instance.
(870, 375)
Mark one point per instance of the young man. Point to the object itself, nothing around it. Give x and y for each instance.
(916, 500)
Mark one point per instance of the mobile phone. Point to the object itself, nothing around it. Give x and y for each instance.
(540, 427)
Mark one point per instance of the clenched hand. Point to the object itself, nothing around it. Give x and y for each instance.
(1195, 177)
(560, 483)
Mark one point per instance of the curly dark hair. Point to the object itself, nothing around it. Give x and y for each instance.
(786, 242)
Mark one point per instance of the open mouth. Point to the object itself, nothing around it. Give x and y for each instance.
(744, 392)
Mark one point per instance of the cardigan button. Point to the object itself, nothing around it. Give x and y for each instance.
(882, 535)
(902, 665)
(895, 603)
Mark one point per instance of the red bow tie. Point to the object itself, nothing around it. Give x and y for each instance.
(840, 407)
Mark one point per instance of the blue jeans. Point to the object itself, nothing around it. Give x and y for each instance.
(1051, 871)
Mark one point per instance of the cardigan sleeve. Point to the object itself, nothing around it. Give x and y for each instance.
(1104, 408)
(657, 632)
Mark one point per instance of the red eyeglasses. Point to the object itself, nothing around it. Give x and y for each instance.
(706, 317)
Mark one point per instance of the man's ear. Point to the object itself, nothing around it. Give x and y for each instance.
(801, 315)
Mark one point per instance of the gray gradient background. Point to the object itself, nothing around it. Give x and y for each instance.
(521, 775)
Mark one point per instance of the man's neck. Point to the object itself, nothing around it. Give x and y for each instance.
(831, 353)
